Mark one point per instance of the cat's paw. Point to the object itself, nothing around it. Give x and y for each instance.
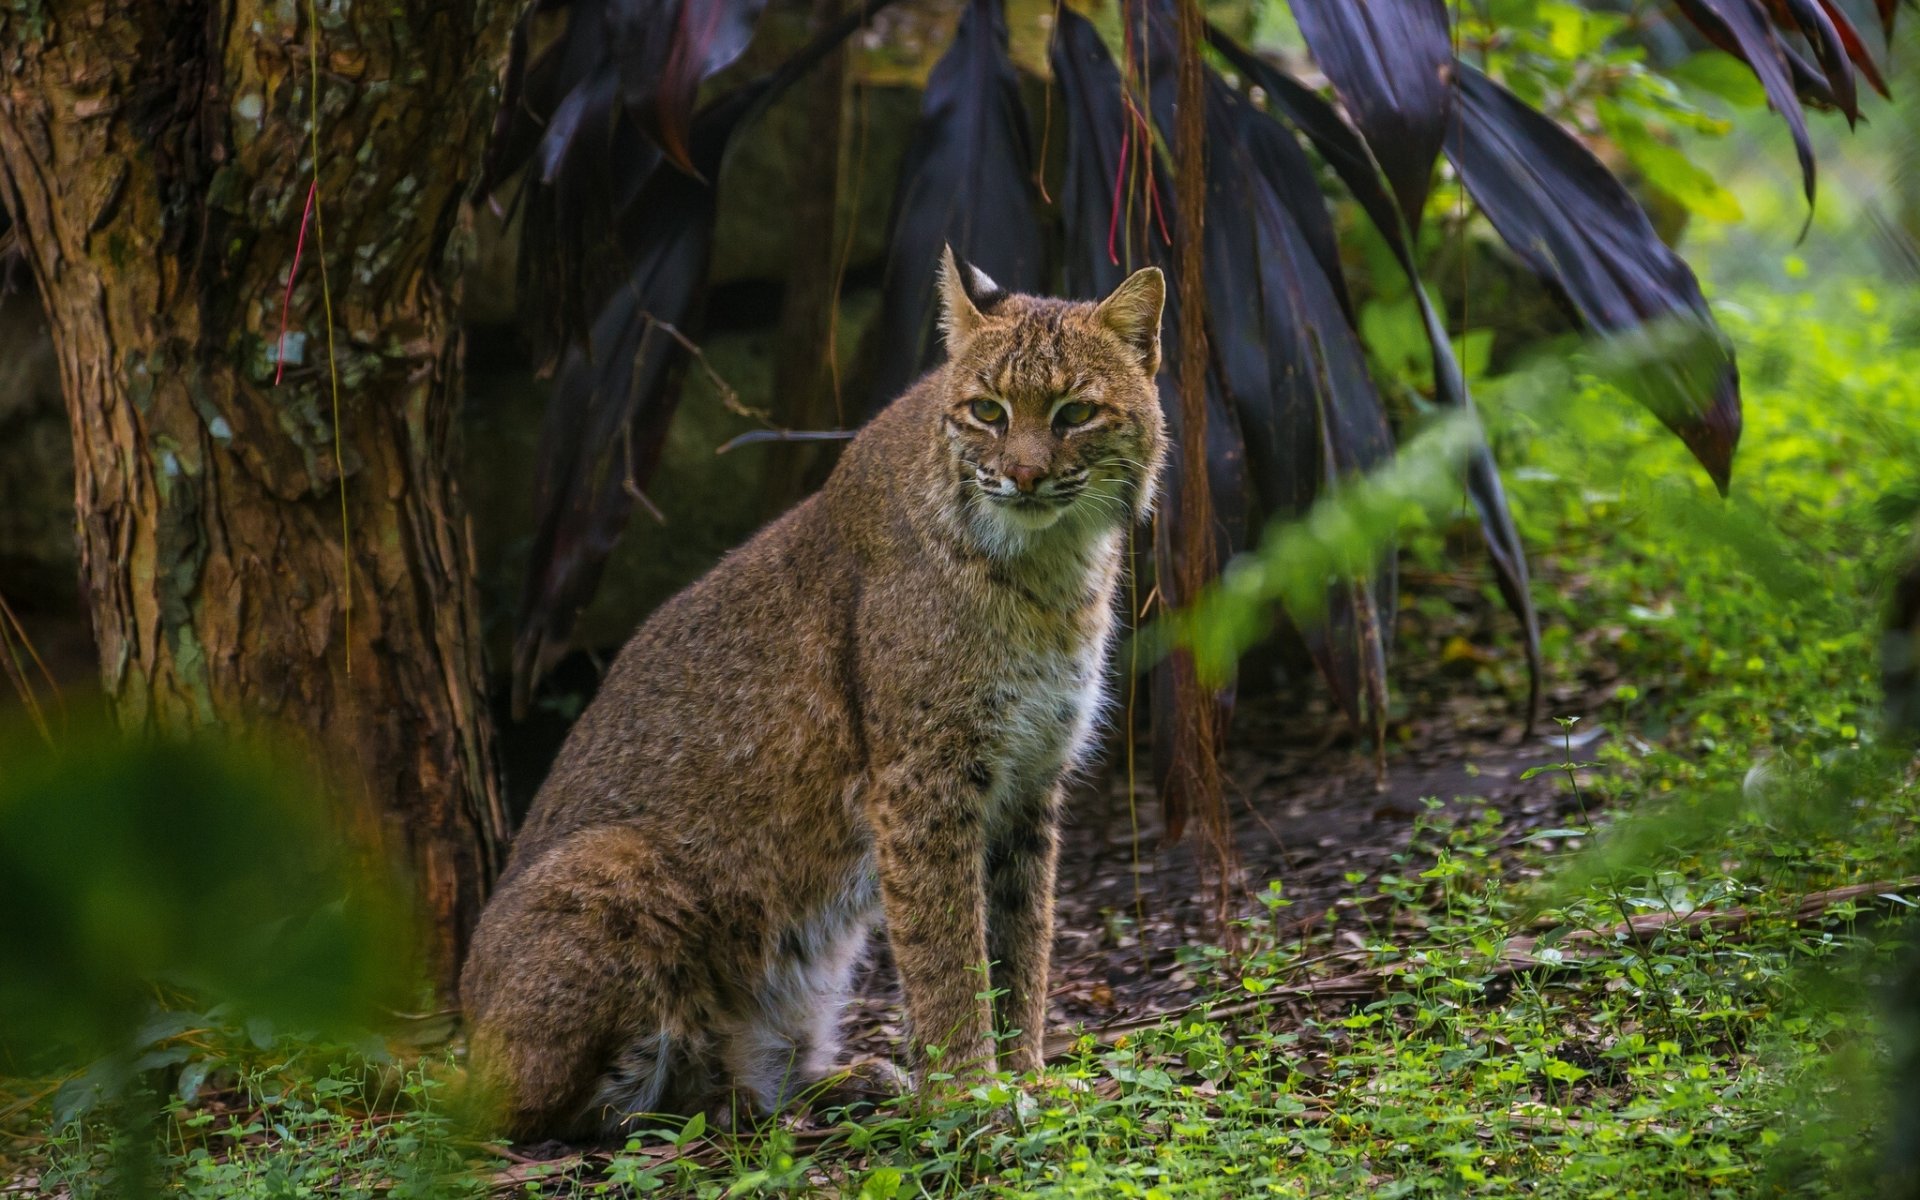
(866, 1081)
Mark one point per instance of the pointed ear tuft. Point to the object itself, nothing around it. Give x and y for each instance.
(985, 292)
(959, 318)
(1133, 312)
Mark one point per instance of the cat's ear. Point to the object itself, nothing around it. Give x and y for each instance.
(964, 290)
(1133, 312)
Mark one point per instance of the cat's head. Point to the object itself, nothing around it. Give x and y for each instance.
(1049, 406)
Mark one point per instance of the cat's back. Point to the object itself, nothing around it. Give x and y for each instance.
(734, 684)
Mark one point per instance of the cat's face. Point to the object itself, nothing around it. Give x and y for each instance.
(1050, 407)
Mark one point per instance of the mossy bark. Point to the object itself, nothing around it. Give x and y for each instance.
(157, 158)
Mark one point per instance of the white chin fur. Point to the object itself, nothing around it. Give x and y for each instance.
(1027, 518)
(1006, 531)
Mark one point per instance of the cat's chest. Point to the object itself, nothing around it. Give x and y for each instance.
(1044, 691)
(1042, 717)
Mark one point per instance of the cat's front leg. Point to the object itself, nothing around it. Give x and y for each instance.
(1021, 858)
(929, 849)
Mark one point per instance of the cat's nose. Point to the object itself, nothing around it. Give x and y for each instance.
(1025, 478)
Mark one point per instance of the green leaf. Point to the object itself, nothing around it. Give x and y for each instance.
(1722, 74)
(1574, 32)
(1474, 352)
(1543, 768)
(193, 1075)
(1566, 1072)
(83, 1093)
(695, 1126)
(1398, 338)
(1666, 168)
(1541, 835)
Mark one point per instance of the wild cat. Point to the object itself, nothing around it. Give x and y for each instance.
(864, 712)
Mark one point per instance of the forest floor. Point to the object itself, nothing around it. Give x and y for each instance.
(1641, 953)
(1310, 808)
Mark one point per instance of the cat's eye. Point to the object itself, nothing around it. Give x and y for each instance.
(988, 412)
(1078, 412)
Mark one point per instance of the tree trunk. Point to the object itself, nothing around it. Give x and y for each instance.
(156, 157)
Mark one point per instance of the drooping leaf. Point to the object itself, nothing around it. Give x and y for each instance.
(1391, 61)
(534, 85)
(1343, 149)
(581, 160)
(588, 119)
(967, 183)
(1741, 29)
(1814, 23)
(1856, 47)
(661, 75)
(617, 387)
(1316, 416)
(1569, 219)
(1113, 195)
(1289, 356)
(610, 388)
(1115, 220)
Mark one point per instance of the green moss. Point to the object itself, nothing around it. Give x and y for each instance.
(139, 382)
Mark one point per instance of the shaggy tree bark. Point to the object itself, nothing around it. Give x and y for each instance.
(157, 158)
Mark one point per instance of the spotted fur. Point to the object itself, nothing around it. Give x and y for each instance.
(865, 712)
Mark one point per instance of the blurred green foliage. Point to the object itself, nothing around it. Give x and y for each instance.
(126, 863)
(143, 880)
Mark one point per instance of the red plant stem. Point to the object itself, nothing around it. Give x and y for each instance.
(293, 272)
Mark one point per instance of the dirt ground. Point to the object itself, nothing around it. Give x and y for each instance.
(1309, 809)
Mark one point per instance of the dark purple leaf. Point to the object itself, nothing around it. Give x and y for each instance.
(660, 76)
(1391, 61)
(1857, 50)
(1287, 170)
(1286, 349)
(1312, 415)
(1808, 83)
(534, 88)
(1113, 198)
(1561, 211)
(1830, 50)
(1100, 246)
(593, 451)
(641, 36)
(1114, 219)
(1740, 28)
(617, 387)
(1341, 146)
(966, 182)
(1289, 358)
(595, 96)
(589, 118)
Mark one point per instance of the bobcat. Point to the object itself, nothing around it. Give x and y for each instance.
(867, 709)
